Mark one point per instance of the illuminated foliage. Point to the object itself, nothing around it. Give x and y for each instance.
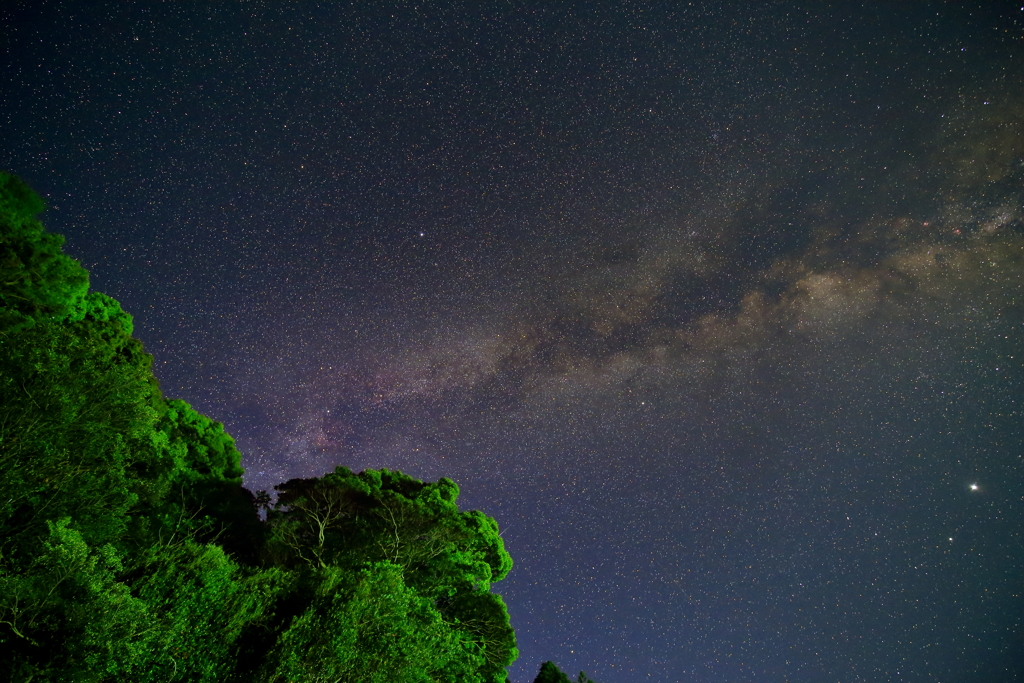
(446, 558)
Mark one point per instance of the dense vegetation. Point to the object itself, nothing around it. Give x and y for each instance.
(129, 549)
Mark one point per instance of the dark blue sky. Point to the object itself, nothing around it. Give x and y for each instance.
(716, 307)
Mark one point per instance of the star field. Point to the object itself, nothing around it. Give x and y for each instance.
(717, 308)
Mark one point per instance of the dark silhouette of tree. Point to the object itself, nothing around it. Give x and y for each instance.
(549, 673)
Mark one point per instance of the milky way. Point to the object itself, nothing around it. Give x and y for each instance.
(716, 308)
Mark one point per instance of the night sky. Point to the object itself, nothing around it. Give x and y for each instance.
(717, 308)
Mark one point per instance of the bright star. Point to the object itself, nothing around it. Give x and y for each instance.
(975, 487)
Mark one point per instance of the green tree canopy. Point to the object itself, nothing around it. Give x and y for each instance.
(371, 627)
(78, 405)
(447, 557)
(36, 279)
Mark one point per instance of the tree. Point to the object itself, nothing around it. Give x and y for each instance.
(347, 522)
(36, 279)
(78, 405)
(549, 673)
(205, 498)
(90, 583)
(372, 628)
(75, 617)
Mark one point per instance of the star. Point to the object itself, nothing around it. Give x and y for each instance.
(975, 487)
